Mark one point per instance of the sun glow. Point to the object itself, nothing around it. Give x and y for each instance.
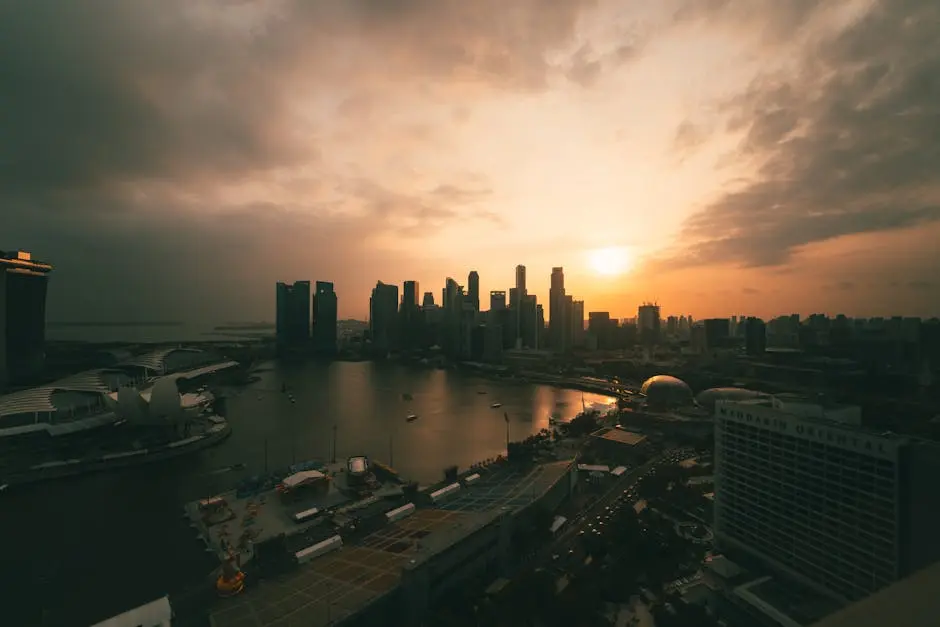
(610, 261)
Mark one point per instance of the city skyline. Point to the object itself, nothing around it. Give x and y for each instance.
(717, 158)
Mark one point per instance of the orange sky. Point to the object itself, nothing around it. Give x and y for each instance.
(758, 160)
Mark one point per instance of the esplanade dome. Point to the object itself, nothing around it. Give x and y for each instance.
(667, 391)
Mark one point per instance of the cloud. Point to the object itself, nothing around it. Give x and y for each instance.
(844, 143)
(750, 291)
(161, 138)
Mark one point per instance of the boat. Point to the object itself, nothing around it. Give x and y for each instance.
(412, 417)
(481, 391)
(496, 405)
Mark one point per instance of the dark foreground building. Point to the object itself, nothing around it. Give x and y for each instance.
(23, 285)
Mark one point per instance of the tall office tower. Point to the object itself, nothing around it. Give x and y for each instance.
(540, 324)
(648, 323)
(293, 317)
(23, 286)
(409, 295)
(802, 489)
(428, 300)
(324, 318)
(529, 321)
(556, 313)
(755, 336)
(515, 318)
(520, 281)
(473, 289)
(497, 300)
(410, 315)
(452, 315)
(717, 333)
(383, 317)
(577, 324)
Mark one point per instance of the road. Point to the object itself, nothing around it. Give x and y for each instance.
(575, 525)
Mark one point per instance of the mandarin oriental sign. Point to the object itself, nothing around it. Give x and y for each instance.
(774, 420)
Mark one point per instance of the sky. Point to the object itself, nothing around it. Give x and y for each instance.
(173, 159)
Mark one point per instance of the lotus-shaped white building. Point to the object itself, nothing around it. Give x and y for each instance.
(161, 403)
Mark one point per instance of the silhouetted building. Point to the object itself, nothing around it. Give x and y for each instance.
(556, 311)
(755, 336)
(428, 300)
(497, 300)
(293, 317)
(383, 318)
(648, 323)
(577, 323)
(451, 337)
(324, 318)
(23, 287)
(411, 316)
(520, 280)
(473, 289)
(601, 330)
(529, 321)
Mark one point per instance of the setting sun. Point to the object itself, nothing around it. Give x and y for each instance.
(610, 261)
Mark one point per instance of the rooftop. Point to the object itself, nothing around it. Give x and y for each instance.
(39, 399)
(338, 584)
(912, 602)
(343, 582)
(620, 436)
(504, 485)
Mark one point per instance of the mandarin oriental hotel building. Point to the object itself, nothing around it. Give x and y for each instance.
(844, 511)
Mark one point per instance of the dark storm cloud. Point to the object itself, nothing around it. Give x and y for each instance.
(126, 125)
(848, 144)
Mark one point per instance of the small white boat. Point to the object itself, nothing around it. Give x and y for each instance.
(496, 405)
(412, 417)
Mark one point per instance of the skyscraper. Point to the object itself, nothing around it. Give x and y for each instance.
(383, 317)
(324, 318)
(293, 316)
(410, 314)
(755, 336)
(473, 289)
(577, 323)
(497, 300)
(648, 323)
(556, 311)
(23, 286)
(520, 281)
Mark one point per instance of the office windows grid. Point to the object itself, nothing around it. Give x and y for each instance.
(822, 511)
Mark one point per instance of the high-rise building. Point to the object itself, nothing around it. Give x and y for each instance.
(556, 313)
(648, 323)
(755, 336)
(428, 300)
(520, 281)
(383, 317)
(324, 318)
(497, 300)
(293, 317)
(411, 315)
(577, 323)
(473, 289)
(23, 286)
(529, 321)
(801, 488)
